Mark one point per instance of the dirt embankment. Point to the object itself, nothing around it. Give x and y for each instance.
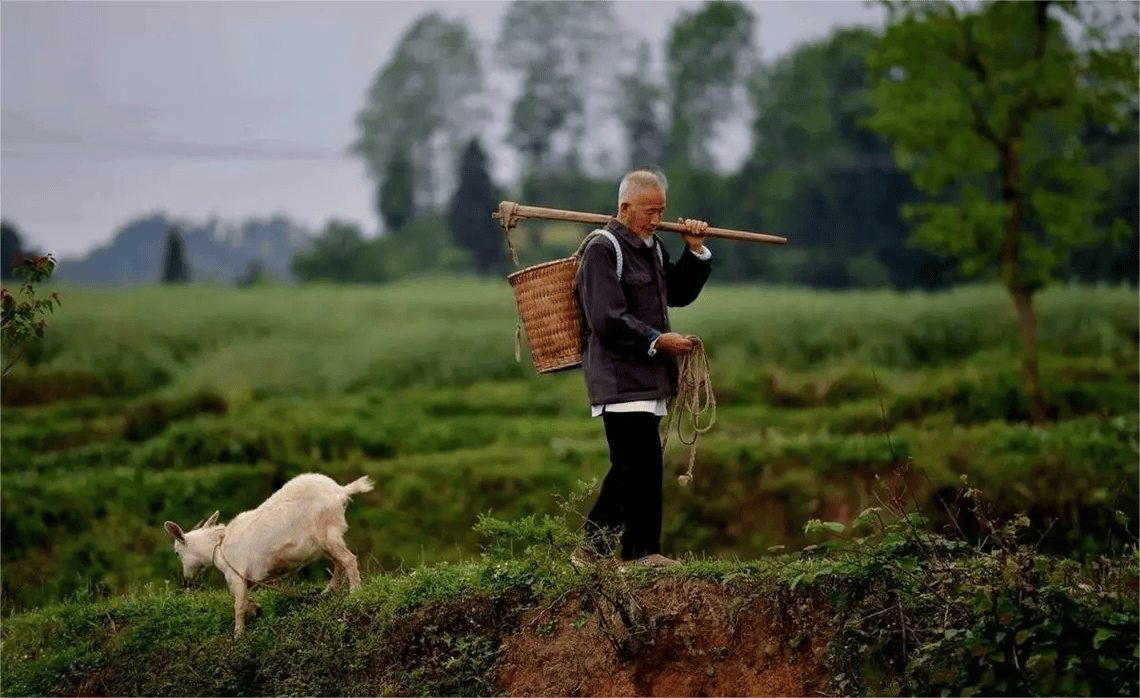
(606, 637)
(674, 638)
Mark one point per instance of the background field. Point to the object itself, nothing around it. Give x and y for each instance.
(157, 403)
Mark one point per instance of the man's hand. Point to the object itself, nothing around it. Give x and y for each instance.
(695, 237)
(674, 344)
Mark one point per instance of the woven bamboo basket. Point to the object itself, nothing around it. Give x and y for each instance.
(545, 295)
(549, 310)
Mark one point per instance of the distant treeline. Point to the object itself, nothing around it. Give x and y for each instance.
(815, 171)
(142, 251)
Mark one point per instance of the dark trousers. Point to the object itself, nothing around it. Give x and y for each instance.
(630, 500)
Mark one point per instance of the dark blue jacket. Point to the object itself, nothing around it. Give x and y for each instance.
(622, 316)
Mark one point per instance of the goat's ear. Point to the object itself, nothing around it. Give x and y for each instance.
(213, 519)
(174, 530)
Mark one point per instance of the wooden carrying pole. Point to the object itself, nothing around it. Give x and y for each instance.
(510, 213)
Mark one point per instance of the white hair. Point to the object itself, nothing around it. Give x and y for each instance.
(641, 179)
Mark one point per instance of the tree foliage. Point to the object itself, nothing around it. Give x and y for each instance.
(545, 108)
(565, 52)
(175, 262)
(819, 176)
(397, 194)
(22, 315)
(821, 168)
(984, 110)
(423, 105)
(11, 250)
(710, 52)
(638, 104)
(255, 275)
(472, 227)
(339, 254)
(1114, 150)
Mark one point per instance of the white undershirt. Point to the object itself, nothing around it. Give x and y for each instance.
(656, 407)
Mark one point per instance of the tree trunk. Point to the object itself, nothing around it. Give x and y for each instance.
(1027, 326)
(1012, 197)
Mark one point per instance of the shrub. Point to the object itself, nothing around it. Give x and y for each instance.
(928, 615)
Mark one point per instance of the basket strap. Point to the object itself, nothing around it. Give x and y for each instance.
(612, 239)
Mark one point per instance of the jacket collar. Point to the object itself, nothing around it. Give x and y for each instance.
(616, 226)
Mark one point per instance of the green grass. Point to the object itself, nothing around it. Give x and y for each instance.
(157, 403)
(328, 339)
(436, 629)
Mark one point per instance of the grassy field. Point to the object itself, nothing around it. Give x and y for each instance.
(150, 404)
(156, 403)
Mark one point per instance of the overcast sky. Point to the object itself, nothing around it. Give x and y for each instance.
(113, 110)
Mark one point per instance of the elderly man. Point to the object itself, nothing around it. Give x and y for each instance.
(629, 360)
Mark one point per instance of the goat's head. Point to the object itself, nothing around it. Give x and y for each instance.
(196, 546)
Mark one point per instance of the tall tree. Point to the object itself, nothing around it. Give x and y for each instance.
(637, 107)
(175, 264)
(397, 203)
(565, 52)
(545, 106)
(423, 105)
(1115, 150)
(710, 52)
(984, 109)
(469, 216)
(821, 177)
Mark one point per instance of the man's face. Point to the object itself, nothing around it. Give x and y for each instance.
(643, 209)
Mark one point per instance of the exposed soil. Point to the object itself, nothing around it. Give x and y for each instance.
(608, 637)
(678, 638)
(447, 649)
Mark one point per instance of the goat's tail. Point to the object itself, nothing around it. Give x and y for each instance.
(363, 484)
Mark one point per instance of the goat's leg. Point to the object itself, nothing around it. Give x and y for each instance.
(337, 576)
(241, 600)
(351, 570)
(345, 562)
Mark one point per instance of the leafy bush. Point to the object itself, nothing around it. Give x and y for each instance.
(927, 615)
(1002, 397)
(151, 417)
(750, 492)
(22, 315)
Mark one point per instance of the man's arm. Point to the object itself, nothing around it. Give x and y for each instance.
(685, 279)
(604, 306)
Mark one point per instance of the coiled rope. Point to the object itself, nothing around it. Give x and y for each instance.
(694, 397)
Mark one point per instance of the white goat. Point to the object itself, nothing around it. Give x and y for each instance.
(299, 523)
